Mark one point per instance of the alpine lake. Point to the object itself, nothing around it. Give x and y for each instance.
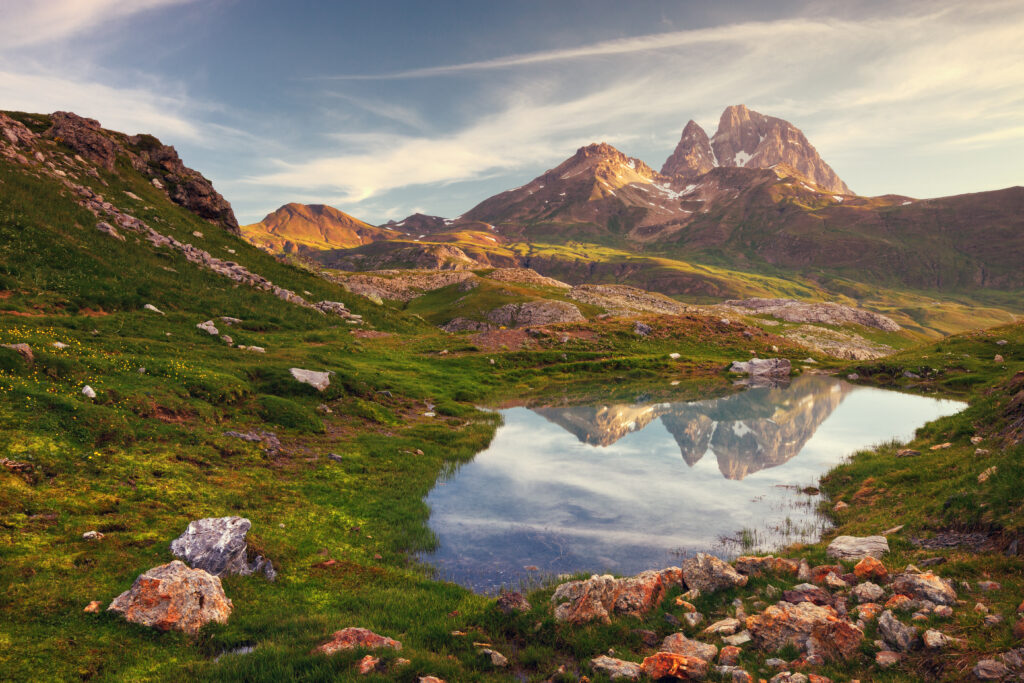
(621, 487)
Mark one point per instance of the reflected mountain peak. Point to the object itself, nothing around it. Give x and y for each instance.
(759, 428)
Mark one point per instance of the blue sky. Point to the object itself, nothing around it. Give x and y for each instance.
(384, 108)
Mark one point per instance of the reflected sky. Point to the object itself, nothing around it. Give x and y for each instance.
(629, 487)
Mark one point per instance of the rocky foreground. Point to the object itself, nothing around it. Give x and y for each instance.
(821, 614)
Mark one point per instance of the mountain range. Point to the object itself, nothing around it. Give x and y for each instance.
(755, 197)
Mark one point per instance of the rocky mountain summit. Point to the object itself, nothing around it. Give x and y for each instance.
(299, 227)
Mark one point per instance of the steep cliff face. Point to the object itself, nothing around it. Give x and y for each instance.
(693, 156)
(752, 140)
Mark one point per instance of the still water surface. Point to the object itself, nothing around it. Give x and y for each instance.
(629, 487)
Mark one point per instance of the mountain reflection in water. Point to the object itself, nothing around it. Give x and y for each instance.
(603, 487)
(747, 432)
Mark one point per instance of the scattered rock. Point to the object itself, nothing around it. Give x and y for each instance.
(708, 574)
(756, 566)
(723, 627)
(895, 633)
(871, 568)
(934, 640)
(642, 329)
(60, 346)
(512, 602)
(990, 670)
(271, 444)
(989, 586)
(729, 655)
(868, 610)
(788, 624)
(693, 619)
(208, 327)
(616, 669)
(926, 586)
(354, 637)
(762, 367)
(88, 391)
(217, 545)
(172, 596)
(857, 547)
(93, 607)
(987, 474)
(497, 659)
(23, 350)
(834, 582)
(941, 446)
(679, 644)
(887, 659)
(154, 309)
(367, 664)
(600, 596)
(907, 453)
(738, 639)
(679, 667)
(867, 592)
(318, 380)
(840, 506)
(93, 535)
(998, 359)
(806, 592)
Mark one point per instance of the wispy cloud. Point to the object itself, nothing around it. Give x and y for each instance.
(744, 33)
(848, 83)
(35, 22)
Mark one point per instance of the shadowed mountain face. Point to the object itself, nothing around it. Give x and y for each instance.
(747, 432)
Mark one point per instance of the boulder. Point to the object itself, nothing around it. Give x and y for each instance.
(355, 637)
(88, 391)
(208, 327)
(857, 547)
(598, 597)
(926, 586)
(217, 545)
(894, 632)
(887, 659)
(679, 644)
(762, 367)
(934, 640)
(318, 380)
(497, 659)
(680, 667)
(807, 592)
(730, 655)
(788, 624)
(871, 568)
(616, 669)
(173, 596)
(466, 325)
(708, 574)
(990, 670)
(724, 627)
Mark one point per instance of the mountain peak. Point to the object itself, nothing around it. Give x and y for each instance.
(693, 155)
(319, 226)
(750, 139)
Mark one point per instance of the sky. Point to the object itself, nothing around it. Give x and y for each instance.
(390, 107)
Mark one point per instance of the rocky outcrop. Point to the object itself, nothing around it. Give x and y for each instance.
(845, 345)
(85, 137)
(174, 597)
(525, 276)
(664, 665)
(543, 312)
(466, 325)
(810, 312)
(355, 637)
(217, 545)
(404, 285)
(626, 300)
(679, 644)
(693, 156)
(597, 598)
